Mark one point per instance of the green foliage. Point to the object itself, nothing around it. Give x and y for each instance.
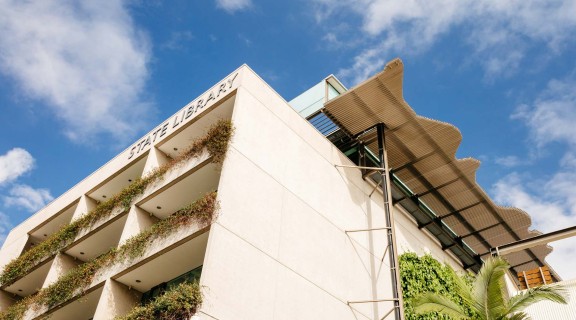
(73, 283)
(215, 141)
(23, 264)
(16, 311)
(201, 212)
(486, 298)
(181, 302)
(528, 297)
(419, 275)
(67, 286)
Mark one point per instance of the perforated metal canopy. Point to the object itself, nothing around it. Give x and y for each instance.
(422, 154)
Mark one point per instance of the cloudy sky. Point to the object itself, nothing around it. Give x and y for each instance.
(81, 80)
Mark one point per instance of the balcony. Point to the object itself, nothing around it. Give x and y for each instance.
(117, 182)
(181, 138)
(98, 241)
(81, 308)
(173, 262)
(196, 180)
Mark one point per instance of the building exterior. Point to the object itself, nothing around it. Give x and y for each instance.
(551, 310)
(300, 233)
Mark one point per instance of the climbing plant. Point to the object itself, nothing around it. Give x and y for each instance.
(181, 302)
(488, 296)
(75, 281)
(423, 274)
(215, 141)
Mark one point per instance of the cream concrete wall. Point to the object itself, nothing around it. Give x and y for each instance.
(511, 287)
(85, 205)
(103, 276)
(137, 221)
(62, 263)
(6, 300)
(547, 310)
(156, 158)
(412, 239)
(17, 238)
(279, 249)
(116, 300)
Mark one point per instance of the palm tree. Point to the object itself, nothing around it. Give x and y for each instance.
(487, 297)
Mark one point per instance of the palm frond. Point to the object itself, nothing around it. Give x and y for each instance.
(489, 288)
(519, 316)
(487, 299)
(464, 291)
(436, 303)
(554, 293)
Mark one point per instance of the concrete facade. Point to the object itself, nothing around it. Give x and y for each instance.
(279, 247)
(550, 310)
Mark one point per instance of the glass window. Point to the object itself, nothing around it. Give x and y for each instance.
(188, 277)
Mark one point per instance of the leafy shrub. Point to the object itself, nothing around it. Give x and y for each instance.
(73, 283)
(425, 274)
(181, 302)
(215, 141)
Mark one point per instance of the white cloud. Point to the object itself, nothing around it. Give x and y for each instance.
(26, 197)
(5, 226)
(552, 206)
(232, 6)
(15, 163)
(245, 39)
(568, 160)
(550, 200)
(549, 203)
(509, 161)
(497, 32)
(85, 59)
(563, 258)
(332, 39)
(365, 65)
(178, 40)
(552, 117)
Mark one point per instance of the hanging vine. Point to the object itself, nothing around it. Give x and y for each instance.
(215, 142)
(73, 283)
(181, 302)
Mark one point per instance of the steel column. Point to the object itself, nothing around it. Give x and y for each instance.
(387, 195)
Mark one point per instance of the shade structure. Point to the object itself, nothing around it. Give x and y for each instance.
(422, 155)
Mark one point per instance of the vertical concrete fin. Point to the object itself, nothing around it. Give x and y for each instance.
(6, 300)
(116, 300)
(137, 221)
(155, 159)
(11, 250)
(62, 263)
(85, 205)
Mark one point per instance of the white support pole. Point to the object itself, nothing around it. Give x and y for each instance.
(359, 167)
(534, 241)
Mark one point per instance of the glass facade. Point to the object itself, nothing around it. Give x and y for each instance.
(323, 124)
(309, 103)
(190, 276)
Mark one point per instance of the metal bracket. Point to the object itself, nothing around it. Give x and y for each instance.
(371, 301)
(360, 167)
(379, 300)
(373, 229)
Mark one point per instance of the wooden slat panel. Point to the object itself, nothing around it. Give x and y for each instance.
(534, 277)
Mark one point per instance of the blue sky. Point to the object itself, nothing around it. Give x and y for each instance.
(81, 80)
